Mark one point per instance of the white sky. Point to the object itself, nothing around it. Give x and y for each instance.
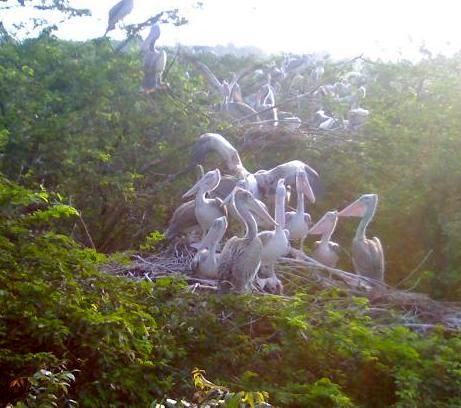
(344, 28)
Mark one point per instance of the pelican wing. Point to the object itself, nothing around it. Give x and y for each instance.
(239, 262)
(368, 259)
(183, 218)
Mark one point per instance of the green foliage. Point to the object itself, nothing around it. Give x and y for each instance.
(129, 343)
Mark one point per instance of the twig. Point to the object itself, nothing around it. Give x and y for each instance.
(86, 230)
(417, 268)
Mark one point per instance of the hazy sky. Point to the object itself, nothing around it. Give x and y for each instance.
(344, 28)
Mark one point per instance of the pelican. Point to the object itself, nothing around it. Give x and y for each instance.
(154, 61)
(205, 262)
(267, 179)
(206, 209)
(275, 243)
(367, 254)
(118, 12)
(326, 251)
(209, 142)
(241, 257)
(298, 222)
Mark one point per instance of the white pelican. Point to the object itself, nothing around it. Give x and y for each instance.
(298, 222)
(275, 243)
(241, 257)
(367, 254)
(205, 262)
(118, 12)
(326, 251)
(206, 209)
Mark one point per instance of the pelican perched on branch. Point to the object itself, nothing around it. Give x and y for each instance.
(241, 257)
(326, 251)
(298, 222)
(154, 61)
(275, 243)
(206, 209)
(117, 13)
(367, 254)
(205, 262)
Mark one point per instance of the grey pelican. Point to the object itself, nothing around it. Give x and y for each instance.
(275, 243)
(205, 262)
(118, 12)
(367, 254)
(154, 61)
(326, 251)
(241, 257)
(206, 209)
(298, 222)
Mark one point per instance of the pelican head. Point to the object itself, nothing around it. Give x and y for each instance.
(303, 185)
(325, 224)
(155, 32)
(243, 198)
(281, 189)
(215, 233)
(366, 203)
(207, 183)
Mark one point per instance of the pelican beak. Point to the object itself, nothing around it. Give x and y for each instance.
(258, 208)
(307, 190)
(356, 209)
(326, 224)
(319, 228)
(193, 190)
(209, 182)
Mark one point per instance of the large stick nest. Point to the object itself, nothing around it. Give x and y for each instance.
(387, 306)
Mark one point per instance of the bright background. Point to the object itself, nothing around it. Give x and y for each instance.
(388, 29)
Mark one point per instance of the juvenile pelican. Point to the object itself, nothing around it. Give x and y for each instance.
(275, 243)
(118, 12)
(298, 222)
(206, 209)
(326, 251)
(241, 257)
(154, 61)
(367, 254)
(205, 262)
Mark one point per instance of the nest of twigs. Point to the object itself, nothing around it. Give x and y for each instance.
(388, 306)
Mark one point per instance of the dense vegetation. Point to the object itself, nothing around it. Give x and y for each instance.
(85, 158)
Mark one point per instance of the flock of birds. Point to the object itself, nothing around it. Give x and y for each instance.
(264, 86)
(248, 260)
